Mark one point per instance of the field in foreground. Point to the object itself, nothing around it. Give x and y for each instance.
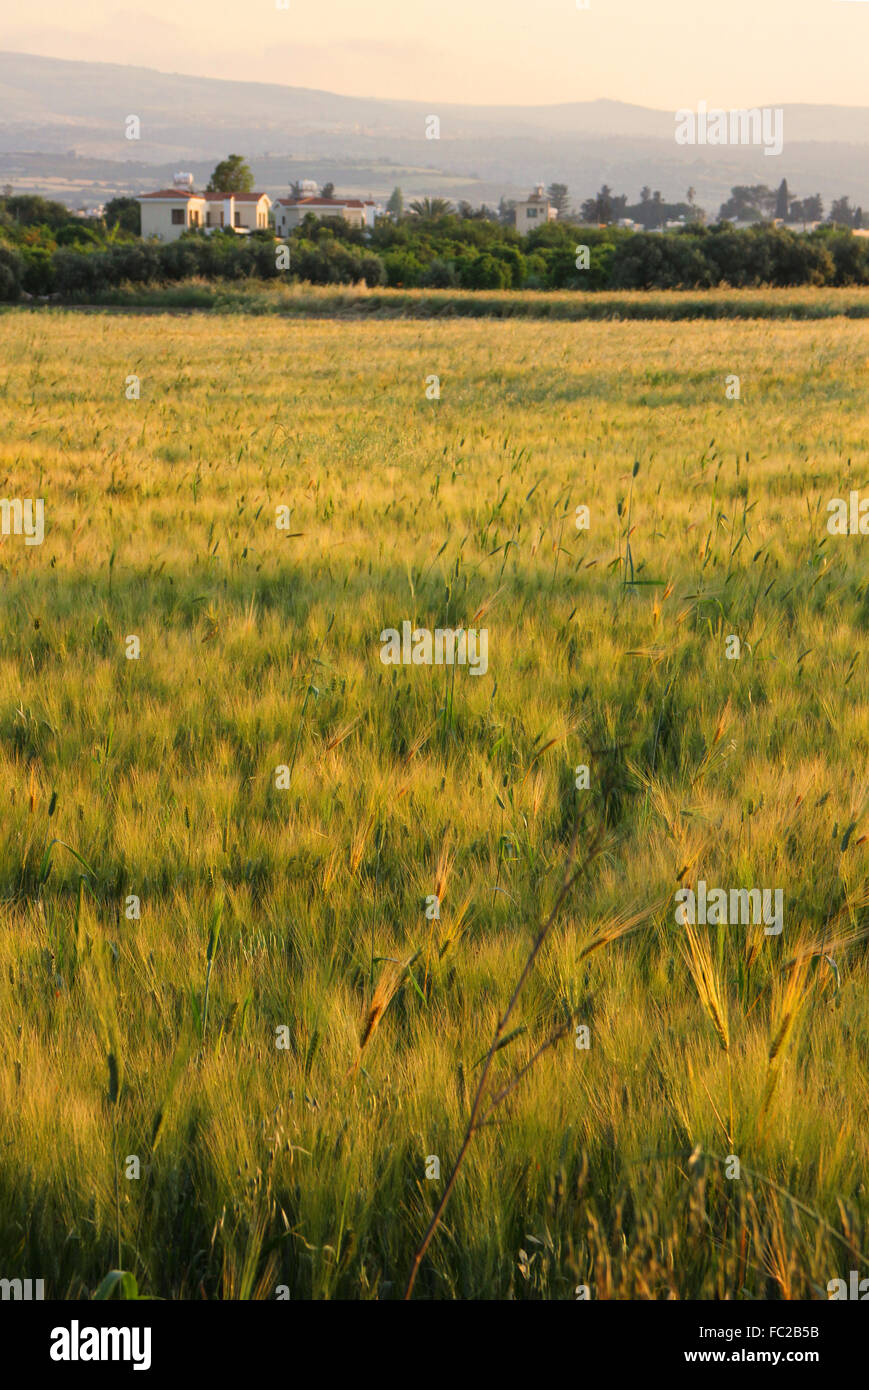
(265, 909)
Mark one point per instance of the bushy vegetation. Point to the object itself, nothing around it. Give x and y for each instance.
(305, 909)
(44, 251)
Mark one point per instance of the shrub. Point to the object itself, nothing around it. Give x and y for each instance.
(38, 270)
(439, 275)
(178, 260)
(484, 273)
(77, 272)
(137, 263)
(74, 234)
(514, 264)
(402, 268)
(850, 257)
(373, 270)
(11, 271)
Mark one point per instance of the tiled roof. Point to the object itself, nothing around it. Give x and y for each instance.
(207, 197)
(172, 193)
(314, 202)
(239, 197)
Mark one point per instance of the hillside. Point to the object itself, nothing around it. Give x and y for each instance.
(62, 132)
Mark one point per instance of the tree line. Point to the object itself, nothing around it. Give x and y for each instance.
(747, 203)
(45, 250)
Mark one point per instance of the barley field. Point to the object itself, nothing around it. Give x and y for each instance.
(244, 1010)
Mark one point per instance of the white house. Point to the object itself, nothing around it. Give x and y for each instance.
(171, 211)
(290, 212)
(534, 211)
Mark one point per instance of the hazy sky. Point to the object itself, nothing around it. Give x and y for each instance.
(663, 53)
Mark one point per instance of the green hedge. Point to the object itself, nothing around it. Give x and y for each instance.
(440, 253)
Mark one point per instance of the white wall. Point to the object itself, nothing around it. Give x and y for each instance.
(157, 216)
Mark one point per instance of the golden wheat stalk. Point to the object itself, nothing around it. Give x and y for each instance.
(384, 992)
(446, 859)
(791, 1002)
(698, 958)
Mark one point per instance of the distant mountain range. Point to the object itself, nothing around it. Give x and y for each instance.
(62, 133)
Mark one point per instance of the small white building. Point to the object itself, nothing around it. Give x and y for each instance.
(534, 211)
(291, 212)
(170, 212)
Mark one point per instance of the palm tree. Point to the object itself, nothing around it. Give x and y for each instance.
(431, 207)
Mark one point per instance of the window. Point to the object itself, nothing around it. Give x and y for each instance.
(237, 222)
(530, 212)
(178, 217)
(208, 218)
(194, 218)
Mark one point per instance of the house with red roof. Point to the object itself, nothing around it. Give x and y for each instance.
(169, 212)
(290, 212)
